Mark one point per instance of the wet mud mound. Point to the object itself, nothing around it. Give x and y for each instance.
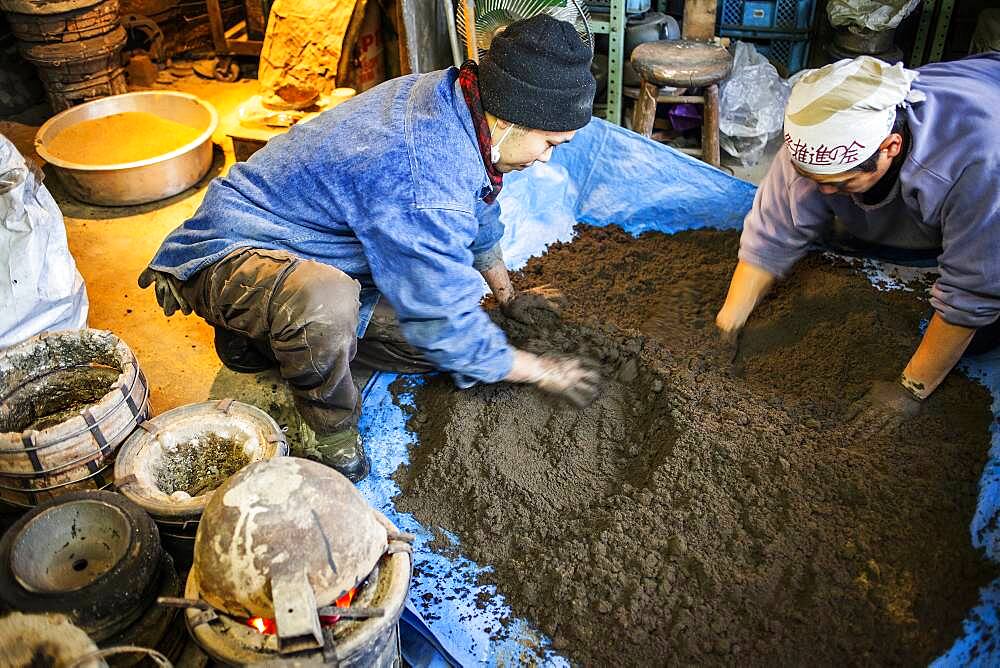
(707, 512)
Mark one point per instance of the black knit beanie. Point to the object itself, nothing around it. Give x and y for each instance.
(537, 75)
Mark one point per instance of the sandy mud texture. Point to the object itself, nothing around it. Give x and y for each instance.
(708, 512)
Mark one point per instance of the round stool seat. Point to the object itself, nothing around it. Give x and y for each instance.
(681, 63)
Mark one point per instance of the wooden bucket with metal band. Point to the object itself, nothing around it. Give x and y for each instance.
(67, 402)
(75, 72)
(70, 26)
(45, 6)
(177, 444)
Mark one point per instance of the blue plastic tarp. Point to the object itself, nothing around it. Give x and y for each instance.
(606, 175)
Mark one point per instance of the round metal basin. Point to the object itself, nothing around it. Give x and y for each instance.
(69, 546)
(145, 180)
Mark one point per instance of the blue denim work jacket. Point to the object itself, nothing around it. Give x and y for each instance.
(388, 188)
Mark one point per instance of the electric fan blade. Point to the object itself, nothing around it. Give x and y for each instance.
(493, 17)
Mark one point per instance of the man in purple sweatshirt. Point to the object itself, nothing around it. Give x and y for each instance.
(893, 159)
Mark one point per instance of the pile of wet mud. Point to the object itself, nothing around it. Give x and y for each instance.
(707, 512)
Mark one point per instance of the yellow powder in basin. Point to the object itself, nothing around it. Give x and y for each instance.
(125, 137)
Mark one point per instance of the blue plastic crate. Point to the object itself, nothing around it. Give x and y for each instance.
(787, 55)
(774, 15)
(788, 52)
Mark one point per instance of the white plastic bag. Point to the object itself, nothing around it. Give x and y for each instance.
(869, 15)
(41, 289)
(751, 105)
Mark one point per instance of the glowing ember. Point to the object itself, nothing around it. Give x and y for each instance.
(263, 625)
(342, 602)
(345, 600)
(268, 626)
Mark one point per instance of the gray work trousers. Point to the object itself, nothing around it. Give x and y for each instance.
(304, 315)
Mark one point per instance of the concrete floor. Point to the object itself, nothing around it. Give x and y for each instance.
(113, 245)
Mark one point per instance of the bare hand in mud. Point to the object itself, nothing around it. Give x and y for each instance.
(882, 410)
(723, 350)
(527, 303)
(568, 377)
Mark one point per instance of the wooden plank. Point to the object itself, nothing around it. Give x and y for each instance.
(256, 21)
(404, 48)
(218, 29)
(249, 47)
(344, 69)
(666, 97)
(699, 19)
(238, 31)
(710, 127)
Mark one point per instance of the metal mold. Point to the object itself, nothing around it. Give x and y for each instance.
(67, 547)
(93, 556)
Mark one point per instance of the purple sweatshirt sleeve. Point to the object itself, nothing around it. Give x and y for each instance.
(967, 292)
(788, 214)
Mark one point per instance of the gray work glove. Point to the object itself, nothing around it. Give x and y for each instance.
(526, 303)
(568, 377)
(168, 291)
(882, 410)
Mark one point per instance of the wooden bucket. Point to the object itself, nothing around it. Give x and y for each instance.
(75, 72)
(71, 26)
(67, 401)
(45, 6)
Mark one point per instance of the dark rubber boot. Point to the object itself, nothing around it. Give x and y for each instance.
(344, 452)
(239, 353)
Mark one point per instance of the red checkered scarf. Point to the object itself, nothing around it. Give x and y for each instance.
(468, 79)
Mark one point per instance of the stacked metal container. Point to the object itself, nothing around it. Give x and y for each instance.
(75, 45)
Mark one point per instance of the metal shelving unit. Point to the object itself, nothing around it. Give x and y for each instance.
(936, 16)
(614, 27)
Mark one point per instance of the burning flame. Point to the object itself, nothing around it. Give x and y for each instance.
(345, 600)
(263, 625)
(267, 626)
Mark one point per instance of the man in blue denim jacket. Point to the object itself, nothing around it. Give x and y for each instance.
(382, 211)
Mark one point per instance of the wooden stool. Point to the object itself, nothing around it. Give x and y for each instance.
(681, 64)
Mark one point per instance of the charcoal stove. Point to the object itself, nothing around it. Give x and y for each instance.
(364, 634)
(95, 558)
(293, 567)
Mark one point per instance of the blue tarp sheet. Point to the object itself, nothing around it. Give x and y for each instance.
(606, 175)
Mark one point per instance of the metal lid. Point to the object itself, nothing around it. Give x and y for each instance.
(279, 517)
